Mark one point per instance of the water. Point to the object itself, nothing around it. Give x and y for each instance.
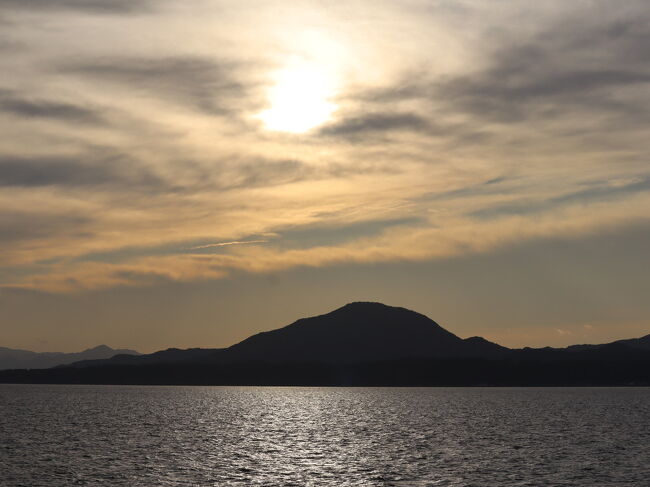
(222, 436)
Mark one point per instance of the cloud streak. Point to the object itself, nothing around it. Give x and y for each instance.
(209, 85)
(58, 171)
(377, 123)
(227, 244)
(416, 243)
(93, 6)
(47, 109)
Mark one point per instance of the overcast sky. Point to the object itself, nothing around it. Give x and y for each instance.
(186, 173)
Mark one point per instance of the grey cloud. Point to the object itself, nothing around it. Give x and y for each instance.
(236, 173)
(384, 119)
(599, 192)
(37, 171)
(7, 44)
(504, 85)
(192, 246)
(490, 187)
(571, 65)
(606, 191)
(204, 84)
(123, 174)
(15, 291)
(48, 109)
(142, 278)
(95, 6)
(306, 236)
(262, 172)
(512, 96)
(495, 181)
(336, 170)
(376, 123)
(19, 226)
(627, 36)
(578, 64)
(253, 172)
(411, 86)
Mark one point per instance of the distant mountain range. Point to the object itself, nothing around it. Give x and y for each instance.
(363, 344)
(24, 359)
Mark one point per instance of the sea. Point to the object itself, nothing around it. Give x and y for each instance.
(69, 435)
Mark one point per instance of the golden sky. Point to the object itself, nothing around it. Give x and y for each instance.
(186, 173)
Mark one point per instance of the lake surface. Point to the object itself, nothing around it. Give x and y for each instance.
(222, 436)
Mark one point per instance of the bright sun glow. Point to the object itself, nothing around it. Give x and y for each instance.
(299, 99)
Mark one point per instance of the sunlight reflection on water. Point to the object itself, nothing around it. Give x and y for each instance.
(143, 436)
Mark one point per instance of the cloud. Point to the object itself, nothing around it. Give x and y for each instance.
(377, 123)
(239, 173)
(47, 109)
(227, 244)
(454, 238)
(571, 64)
(209, 85)
(28, 225)
(579, 63)
(94, 6)
(115, 171)
(457, 157)
(71, 172)
(491, 187)
(236, 172)
(339, 231)
(8, 44)
(598, 193)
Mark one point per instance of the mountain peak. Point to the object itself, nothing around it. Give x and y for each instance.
(359, 331)
(99, 348)
(364, 304)
(371, 308)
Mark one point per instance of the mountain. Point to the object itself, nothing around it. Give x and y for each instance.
(642, 343)
(360, 332)
(357, 332)
(363, 344)
(363, 332)
(25, 359)
(168, 356)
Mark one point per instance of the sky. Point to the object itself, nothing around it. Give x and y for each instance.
(187, 173)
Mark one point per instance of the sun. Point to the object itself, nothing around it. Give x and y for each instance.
(299, 100)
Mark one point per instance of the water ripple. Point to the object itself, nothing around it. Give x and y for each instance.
(229, 436)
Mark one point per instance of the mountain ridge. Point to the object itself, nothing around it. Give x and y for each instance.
(11, 358)
(355, 322)
(363, 344)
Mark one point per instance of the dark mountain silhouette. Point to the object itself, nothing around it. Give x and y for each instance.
(360, 332)
(642, 343)
(357, 332)
(168, 356)
(25, 359)
(363, 344)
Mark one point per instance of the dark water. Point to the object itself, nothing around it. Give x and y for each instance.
(193, 436)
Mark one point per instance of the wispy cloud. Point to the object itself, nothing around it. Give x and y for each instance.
(74, 171)
(33, 108)
(414, 243)
(95, 6)
(226, 244)
(119, 143)
(364, 125)
(213, 86)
